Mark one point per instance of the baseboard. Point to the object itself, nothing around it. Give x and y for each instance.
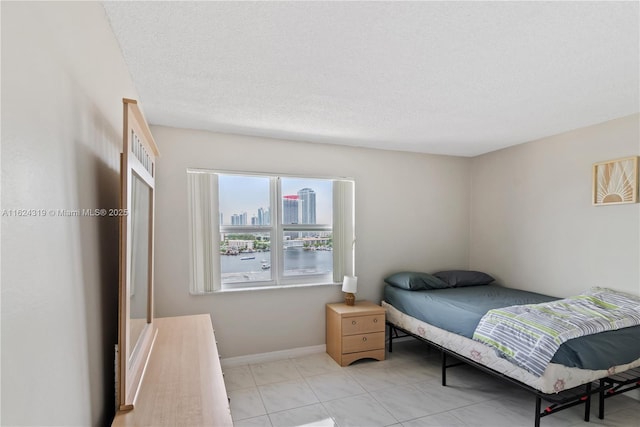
(272, 356)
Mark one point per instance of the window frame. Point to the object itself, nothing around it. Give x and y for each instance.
(343, 262)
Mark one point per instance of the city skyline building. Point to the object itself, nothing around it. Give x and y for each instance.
(239, 219)
(297, 208)
(264, 216)
(307, 198)
(290, 209)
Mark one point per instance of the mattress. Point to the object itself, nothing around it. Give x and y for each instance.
(459, 310)
(557, 377)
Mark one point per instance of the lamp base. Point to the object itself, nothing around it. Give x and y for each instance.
(349, 298)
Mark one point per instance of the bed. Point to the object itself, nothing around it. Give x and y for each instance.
(446, 312)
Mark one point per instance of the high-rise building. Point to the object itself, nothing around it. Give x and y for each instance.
(264, 216)
(307, 199)
(239, 219)
(290, 209)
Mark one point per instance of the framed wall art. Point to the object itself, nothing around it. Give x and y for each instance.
(615, 182)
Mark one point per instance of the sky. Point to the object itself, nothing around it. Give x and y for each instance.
(240, 194)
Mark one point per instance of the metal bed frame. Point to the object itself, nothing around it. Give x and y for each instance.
(557, 402)
(615, 385)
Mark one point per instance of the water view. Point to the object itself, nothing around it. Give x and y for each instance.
(256, 266)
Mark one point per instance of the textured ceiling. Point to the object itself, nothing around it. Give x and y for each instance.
(459, 78)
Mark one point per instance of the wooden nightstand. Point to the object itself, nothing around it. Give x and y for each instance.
(355, 332)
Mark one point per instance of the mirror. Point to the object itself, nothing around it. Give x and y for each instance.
(136, 332)
(139, 261)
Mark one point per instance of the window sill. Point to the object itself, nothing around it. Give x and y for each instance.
(264, 288)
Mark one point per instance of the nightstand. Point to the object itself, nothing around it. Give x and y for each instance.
(355, 332)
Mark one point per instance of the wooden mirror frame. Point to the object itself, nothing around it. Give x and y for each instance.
(138, 159)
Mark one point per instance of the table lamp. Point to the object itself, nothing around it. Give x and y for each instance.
(350, 286)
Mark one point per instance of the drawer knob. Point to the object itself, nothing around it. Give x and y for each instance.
(364, 339)
(353, 322)
(375, 320)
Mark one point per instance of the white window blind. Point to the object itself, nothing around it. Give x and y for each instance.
(344, 238)
(204, 234)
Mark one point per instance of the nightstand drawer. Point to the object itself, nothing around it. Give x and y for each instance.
(362, 324)
(362, 342)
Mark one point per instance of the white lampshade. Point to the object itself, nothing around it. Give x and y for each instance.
(350, 284)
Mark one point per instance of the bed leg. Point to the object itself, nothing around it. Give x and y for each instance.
(390, 338)
(601, 400)
(444, 368)
(538, 407)
(587, 404)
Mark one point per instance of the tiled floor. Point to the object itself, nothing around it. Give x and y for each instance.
(403, 390)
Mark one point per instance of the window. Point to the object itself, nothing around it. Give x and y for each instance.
(258, 230)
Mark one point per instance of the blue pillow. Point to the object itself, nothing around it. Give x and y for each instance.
(461, 278)
(415, 281)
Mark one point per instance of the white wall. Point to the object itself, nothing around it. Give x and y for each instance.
(412, 212)
(532, 222)
(63, 79)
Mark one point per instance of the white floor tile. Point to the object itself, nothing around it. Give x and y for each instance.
(628, 417)
(287, 395)
(437, 420)
(316, 364)
(238, 377)
(245, 403)
(274, 372)
(404, 402)
(491, 413)
(308, 416)
(334, 386)
(377, 377)
(359, 411)
(262, 421)
(438, 398)
(619, 403)
(415, 371)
